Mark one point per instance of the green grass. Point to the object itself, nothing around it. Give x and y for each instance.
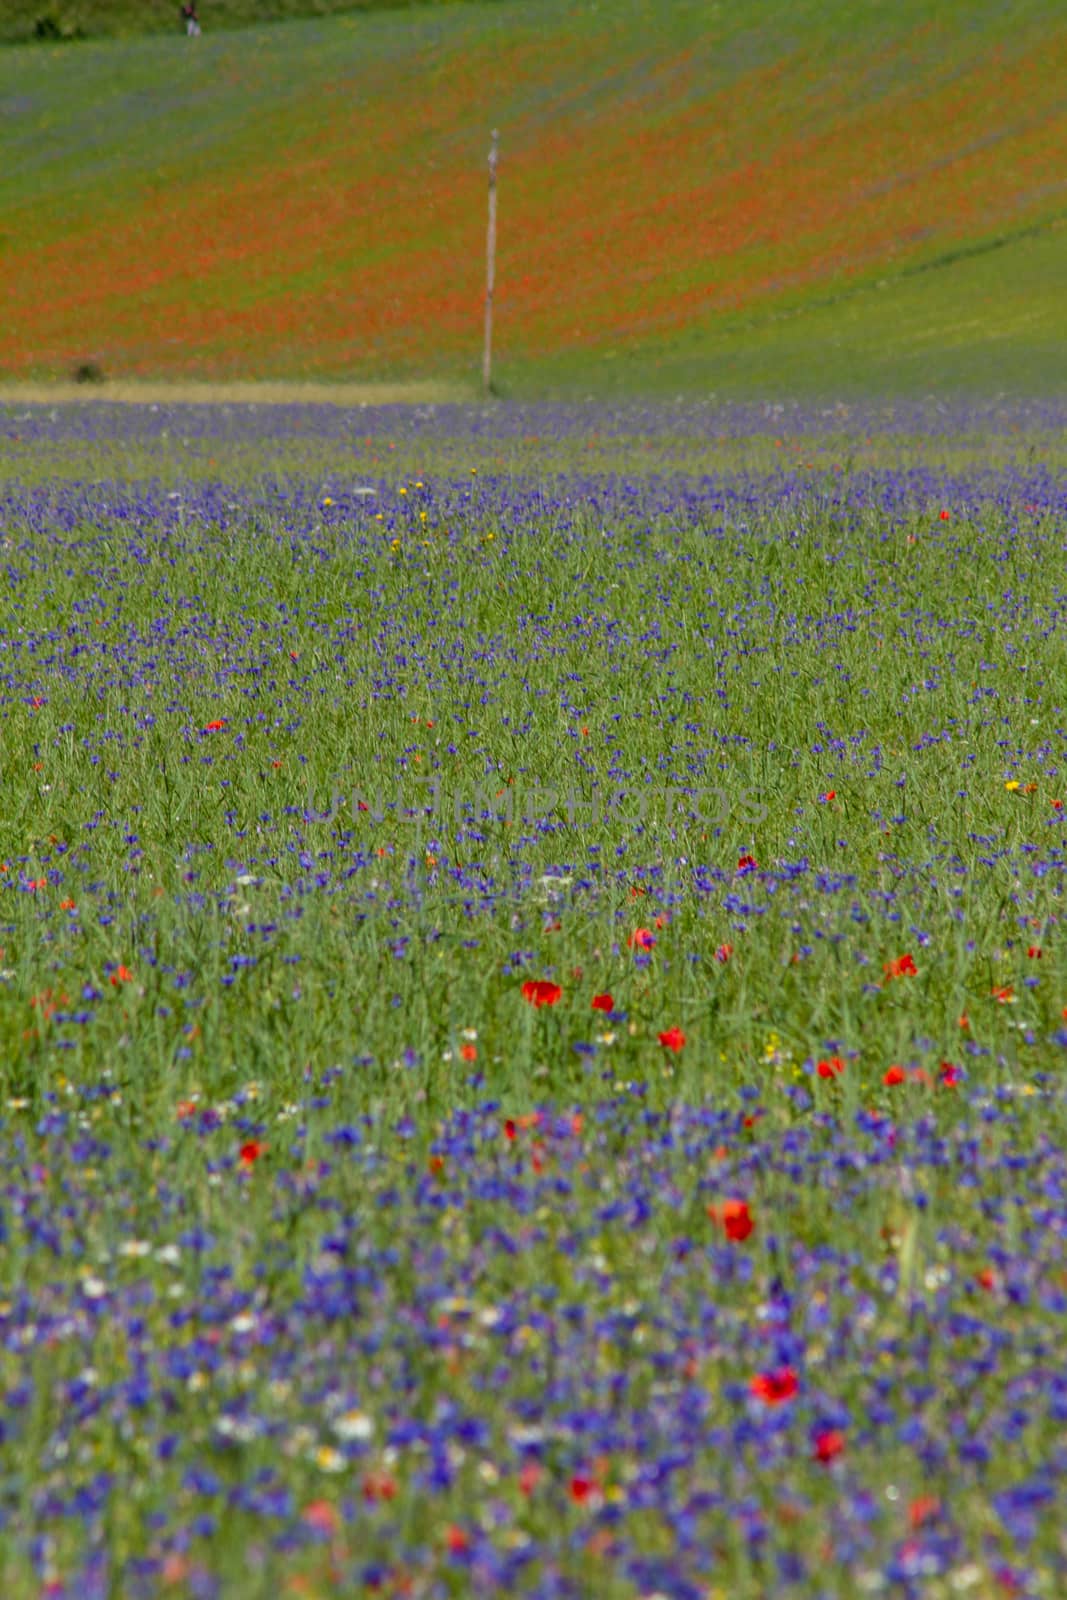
(74, 21)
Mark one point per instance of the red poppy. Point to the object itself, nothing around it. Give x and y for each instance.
(121, 975)
(1035, 952)
(673, 1039)
(746, 863)
(1005, 995)
(322, 1516)
(1057, 805)
(831, 794)
(950, 1075)
(509, 1129)
(530, 1475)
(581, 1487)
(539, 992)
(775, 1387)
(945, 516)
(251, 1151)
(832, 1067)
(986, 1279)
(186, 1109)
(924, 1508)
(469, 1052)
(213, 727)
(724, 952)
(67, 905)
(894, 1076)
(641, 939)
(828, 1445)
(456, 1539)
(734, 1218)
(603, 1002)
(903, 967)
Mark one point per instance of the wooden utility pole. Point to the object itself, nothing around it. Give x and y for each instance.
(490, 272)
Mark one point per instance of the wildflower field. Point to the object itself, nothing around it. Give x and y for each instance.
(532, 1002)
(804, 196)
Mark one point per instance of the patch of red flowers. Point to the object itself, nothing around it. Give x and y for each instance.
(903, 967)
(121, 975)
(539, 992)
(828, 1445)
(775, 1387)
(832, 1067)
(897, 1075)
(734, 1218)
(581, 1488)
(47, 1003)
(724, 952)
(378, 1486)
(530, 1475)
(672, 1039)
(322, 1516)
(213, 727)
(924, 1508)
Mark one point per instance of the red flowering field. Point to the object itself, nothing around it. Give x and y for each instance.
(837, 196)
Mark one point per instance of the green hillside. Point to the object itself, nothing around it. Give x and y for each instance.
(73, 21)
(818, 197)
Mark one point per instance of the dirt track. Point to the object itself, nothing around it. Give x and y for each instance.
(148, 393)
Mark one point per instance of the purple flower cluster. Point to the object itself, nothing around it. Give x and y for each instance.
(535, 1359)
